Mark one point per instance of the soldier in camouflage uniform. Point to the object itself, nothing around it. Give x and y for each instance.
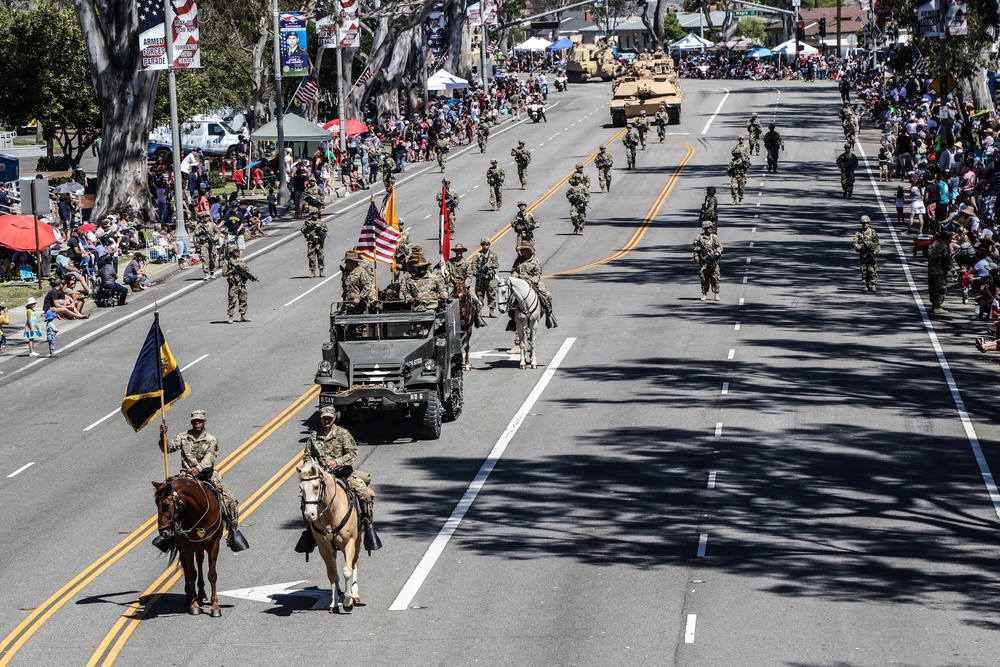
(335, 450)
(754, 130)
(939, 266)
(460, 271)
(314, 198)
(578, 196)
(315, 230)
(581, 175)
(604, 162)
(707, 251)
(737, 173)
(388, 167)
(741, 151)
(662, 119)
(442, 148)
(417, 254)
(235, 270)
(403, 250)
(630, 142)
(867, 246)
(482, 133)
(847, 162)
(528, 268)
(524, 224)
(425, 290)
(772, 144)
(710, 208)
(849, 122)
(199, 451)
(358, 285)
(494, 179)
(484, 271)
(451, 204)
(206, 238)
(522, 156)
(642, 127)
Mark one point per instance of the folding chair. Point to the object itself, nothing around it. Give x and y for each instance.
(27, 274)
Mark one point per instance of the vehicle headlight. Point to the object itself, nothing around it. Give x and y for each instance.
(430, 366)
(325, 368)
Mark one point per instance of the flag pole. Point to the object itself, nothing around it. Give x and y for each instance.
(163, 412)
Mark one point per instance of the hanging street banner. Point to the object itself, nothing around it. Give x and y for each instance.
(152, 31)
(929, 19)
(955, 19)
(294, 58)
(350, 24)
(490, 9)
(328, 32)
(187, 51)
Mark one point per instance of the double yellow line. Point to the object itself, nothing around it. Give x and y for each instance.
(13, 642)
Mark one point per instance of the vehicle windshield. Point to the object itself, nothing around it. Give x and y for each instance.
(383, 331)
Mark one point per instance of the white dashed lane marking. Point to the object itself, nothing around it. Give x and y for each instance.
(718, 429)
(732, 353)
(711, 479)
(725, 388)
(692, 619)
(702, 544)
(21, 469)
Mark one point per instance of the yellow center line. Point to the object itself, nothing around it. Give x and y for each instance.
(13, 642)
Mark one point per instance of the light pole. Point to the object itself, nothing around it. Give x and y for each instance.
(279, 103)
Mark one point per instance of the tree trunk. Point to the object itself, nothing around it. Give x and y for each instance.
(979, 89)
(458, 40)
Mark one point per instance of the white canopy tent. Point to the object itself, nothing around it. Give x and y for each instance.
(691, 42)
(445, 80)
(788, 48)
(533, 44)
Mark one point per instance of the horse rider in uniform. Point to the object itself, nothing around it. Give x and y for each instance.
(425, 290)
(522, 156)
(707, 251)
(772, 143)
(494, 179)
(388, 167)
(524, 224)
(867, 246)
(315, 230)
(578, 196)
(710, 208)
(199, 451)
(359, 288)
(629, 142)
(847, 162)
(529, 269)
(237, 273)
(754, 130)
(661, 119)
(642, 127)
(335, 450)
(460, 271)
(484, 271)
(451, 204)
(206, 236)
(604, 162)
(482, 133)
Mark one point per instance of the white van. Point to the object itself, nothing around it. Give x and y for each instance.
(209, 133)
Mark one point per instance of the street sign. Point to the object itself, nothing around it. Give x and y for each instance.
(745, 12)
(944, 83)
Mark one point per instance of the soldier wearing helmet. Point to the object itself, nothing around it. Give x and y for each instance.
(495, 177)
(524, 223)
(754, 130)
(867, 246)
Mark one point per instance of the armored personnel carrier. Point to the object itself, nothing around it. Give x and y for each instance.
(651, 81)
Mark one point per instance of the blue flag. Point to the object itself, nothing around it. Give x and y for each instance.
(156, 381)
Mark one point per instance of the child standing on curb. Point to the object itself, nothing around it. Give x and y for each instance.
(32, 330)
(51, 331)
(4, 319)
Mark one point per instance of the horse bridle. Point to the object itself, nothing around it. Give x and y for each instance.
(514, 300)
(178, 504)
(319, 500)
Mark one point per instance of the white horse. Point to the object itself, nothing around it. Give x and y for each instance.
(519, 297)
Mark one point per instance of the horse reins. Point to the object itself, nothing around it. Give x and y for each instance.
(322, 492)
(518, 302)
(175, 519)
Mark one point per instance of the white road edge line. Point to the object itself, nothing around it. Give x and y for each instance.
(117, 410)
(436, 548)
(689, 630)
(21, 469)
(702, 544)
(314, 287)
(718, 109)
(970, 432)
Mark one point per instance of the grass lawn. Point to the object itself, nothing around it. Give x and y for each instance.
(14, 294)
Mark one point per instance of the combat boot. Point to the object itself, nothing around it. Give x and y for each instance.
(717, 297)
(493, 313)
(704, 296)
(244, 318)
(312, 274)
(322, 273)
(230, 320)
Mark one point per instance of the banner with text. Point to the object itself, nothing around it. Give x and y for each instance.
(187, 50)
(350, 24)
(152, 30)
(294, 58)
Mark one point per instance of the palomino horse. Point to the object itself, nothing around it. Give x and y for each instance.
(467, 317)
(189, 513)
(519, 297)
(333, 517)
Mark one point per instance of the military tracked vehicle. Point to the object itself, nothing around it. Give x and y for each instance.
(651, 81)
(591, 61)
(395, 361)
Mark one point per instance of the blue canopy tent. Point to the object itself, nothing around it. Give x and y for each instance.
(759, 52)
(559, 45)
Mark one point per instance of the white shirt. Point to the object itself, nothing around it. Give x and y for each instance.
(189, 161)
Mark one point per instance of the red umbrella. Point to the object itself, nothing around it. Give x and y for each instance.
(353, 126)
(17, 232)
(88, 228)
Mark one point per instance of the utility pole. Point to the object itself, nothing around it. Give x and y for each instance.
(423, 51)
(279, 106)
(839, 2)
(342, 135)
(180, 229)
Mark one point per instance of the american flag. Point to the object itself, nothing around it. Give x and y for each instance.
(919, 62)
(492, 47)
(151, 15)
(378, 238)
(306, 91)
(365, 77)
(859, 20)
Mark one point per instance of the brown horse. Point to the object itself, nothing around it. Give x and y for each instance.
(467, 317)
(333, 517)
(189, 514)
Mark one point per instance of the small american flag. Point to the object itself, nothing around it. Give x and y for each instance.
(492, 47)
(919, 62)
(306, 91)
(378, 238)
(859, 20)
(365, 77)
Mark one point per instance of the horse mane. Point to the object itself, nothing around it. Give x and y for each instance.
(310, 467)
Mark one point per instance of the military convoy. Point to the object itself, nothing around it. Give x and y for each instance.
(588, 61)
(652, 80)
(394, 361)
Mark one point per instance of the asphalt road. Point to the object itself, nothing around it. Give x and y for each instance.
(782, 478)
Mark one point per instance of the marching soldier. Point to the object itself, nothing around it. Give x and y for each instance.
(524, 224)
(939, 266)
(442, 148)
(772, 144)
(388, 167)
(741, 151)
(314, 197)
(662, 119)
(358, 286)
(314, 230)
(528, 268)
(522, 156)
(867, 246)
(710, 208)
(451, 204)
(494, 178)
(707, 251)
(642, 127)
(603, 162)
(425, 290)
(847, 162)
(630, 142)
(849, 122)
(482, 133)
(236, 272)
(578, 196)
(199, 451)
(581, 175)
(737, 173)
(484, 268)
(206, 236)
(754, 130)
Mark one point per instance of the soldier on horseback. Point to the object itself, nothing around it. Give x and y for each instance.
(460, 271)
(529, 269)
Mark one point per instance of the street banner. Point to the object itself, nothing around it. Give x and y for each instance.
(328, 32)
(187, 50)
(490, 9)
(929, 19)
(350, 24)
(152, 31)
(955, 19)
(294, 58)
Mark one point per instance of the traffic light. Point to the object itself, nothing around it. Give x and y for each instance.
(822, 27)
(800, 30)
